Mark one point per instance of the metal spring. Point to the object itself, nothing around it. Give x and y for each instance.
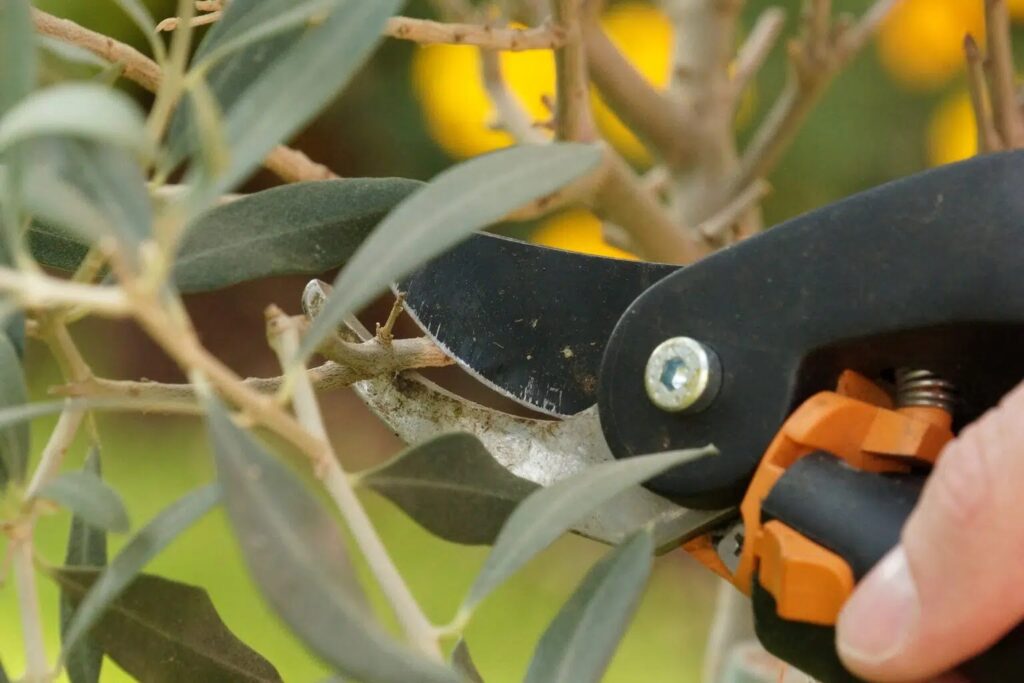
(923, 388)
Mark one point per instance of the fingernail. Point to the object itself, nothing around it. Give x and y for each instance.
(876, 622)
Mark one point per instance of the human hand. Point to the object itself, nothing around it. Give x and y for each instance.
(955, 584)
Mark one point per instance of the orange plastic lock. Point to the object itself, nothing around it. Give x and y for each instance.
(858, 424)
(809, 583)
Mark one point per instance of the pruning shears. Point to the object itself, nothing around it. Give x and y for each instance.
(828, 359)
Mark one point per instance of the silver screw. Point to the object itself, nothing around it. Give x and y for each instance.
(682, 375)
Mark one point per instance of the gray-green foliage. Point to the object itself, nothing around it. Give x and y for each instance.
(552, 511)
(452, 486)
(83, 171)
(93, 502)
(17, 53)
(162, 630)
(129, 563)
(297, 556)
(302, 228)
(14, 438)
(580, 641)
(87, 547)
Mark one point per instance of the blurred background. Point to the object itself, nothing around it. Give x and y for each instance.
(900, 107)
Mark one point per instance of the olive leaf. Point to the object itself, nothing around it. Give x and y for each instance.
(300, 228)
(143, 547)
(298, 558)
(86, 188)
(452, 486)
(579, 643)
(56, 247)
(88, 498)
(17, 53)
(87, 547)
(551, 511)
(270, 89)
(85, 111)
(465, 198)
(162, 631)
(14, 437)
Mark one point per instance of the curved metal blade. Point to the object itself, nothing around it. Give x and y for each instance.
(542, 451)
(529, 321)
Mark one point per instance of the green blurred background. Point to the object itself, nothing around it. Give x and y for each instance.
(900, 107)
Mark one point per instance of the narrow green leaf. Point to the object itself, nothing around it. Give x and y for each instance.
(298, 558)
(463, 199)
(90, 189)
(17, 53)
(143, 547)
(579, 643)
(162, 631)
(87, 547)
(287, 20)
(552, 511)
(296, 85)
(56, 247)
(451, 486)
(88, 497)
(3, 674)
(14, 436)
(463, 663)
(300, 228)
(81, 110)
(230, 77)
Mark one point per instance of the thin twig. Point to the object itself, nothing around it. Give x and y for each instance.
(988, 138)
(510, 114)
(356, 361)
(815, 58)
(622, 199)
(288, 164)
(172, 82)
(705, 37)
(1001, 73)
(36, 667)
(56, 448)
(426, 32)
(171, 23)
(663, 125)
(545, 37)
(42, 291)
(717, 225)
(385, 332)
(573, 118)
(756, 48)
(283, 335)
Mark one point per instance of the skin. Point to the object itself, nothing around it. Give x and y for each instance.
(955, 584)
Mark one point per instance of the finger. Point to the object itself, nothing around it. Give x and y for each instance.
(952, 587)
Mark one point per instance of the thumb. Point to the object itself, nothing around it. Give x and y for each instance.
(952, 587)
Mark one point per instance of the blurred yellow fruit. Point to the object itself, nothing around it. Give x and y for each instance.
(1016, 8)
(921, 42)
(576, 230)
(458, 112)
(952, 135)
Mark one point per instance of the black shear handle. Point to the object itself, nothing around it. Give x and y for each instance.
(880, 504)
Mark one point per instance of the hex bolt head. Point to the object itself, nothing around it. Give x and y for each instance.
(682, 375)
